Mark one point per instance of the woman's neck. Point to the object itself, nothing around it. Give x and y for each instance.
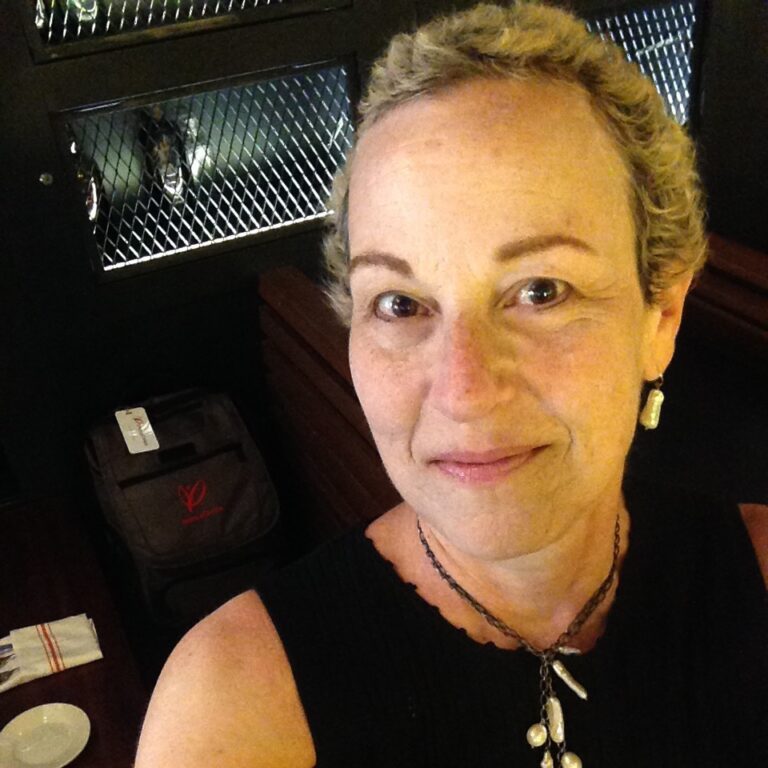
(538, 594)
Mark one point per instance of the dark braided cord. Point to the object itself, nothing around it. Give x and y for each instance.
(573, 628)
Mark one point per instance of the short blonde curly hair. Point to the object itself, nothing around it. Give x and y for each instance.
(523, 41)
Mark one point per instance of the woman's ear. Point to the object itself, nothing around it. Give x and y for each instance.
(663, 319)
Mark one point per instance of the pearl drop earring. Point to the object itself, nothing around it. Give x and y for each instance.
(651, 413)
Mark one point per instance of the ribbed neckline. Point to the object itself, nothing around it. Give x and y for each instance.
(626, 588)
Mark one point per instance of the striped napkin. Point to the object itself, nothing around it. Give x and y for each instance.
(44, 649)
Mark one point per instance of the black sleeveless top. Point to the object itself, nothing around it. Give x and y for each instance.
(680, 677)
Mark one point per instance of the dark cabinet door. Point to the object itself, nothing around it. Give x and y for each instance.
(78, 338)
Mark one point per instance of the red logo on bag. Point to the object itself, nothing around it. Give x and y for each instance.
(192, 496)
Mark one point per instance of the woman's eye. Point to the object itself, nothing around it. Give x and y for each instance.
(542, 292)
(397, 306)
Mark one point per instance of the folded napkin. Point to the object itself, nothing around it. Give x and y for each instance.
(44, 649)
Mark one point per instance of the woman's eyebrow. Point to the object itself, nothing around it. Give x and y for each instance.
(539, 243)
(503, 253)
(380, 259)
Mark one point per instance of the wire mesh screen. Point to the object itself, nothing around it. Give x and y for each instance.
(209, 168)
(660, 40)
(64, 21)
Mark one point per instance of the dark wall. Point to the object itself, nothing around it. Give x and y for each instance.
(714, 421)
(733, 121)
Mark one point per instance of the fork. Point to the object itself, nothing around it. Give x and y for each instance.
(5, 675)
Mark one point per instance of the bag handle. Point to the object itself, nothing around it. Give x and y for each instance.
(231, 447)
(165, 406)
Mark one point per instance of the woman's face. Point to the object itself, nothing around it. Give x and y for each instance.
(499, 336)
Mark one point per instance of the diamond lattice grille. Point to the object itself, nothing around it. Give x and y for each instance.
(660, 40)
(65, 21)
(208, 168)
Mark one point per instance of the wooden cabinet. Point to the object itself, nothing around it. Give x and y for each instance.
(730, 301)
(318, 424)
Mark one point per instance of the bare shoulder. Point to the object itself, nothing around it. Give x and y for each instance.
(226, 697)
(755, 518)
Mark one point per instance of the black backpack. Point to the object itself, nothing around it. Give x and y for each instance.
(198, 516)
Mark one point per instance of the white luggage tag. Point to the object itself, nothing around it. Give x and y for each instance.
(137, 431)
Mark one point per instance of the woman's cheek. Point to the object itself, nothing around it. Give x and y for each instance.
(585, 373)
(388, 387)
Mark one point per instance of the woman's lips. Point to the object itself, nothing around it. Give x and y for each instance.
(486, 466)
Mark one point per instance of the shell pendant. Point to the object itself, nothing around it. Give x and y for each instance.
(537, 735)
(568, 679)
(555, 719)
(549, 732)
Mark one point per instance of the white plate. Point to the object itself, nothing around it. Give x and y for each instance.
(48, 736)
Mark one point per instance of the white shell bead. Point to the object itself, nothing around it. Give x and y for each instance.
(651, 413)
(570, 760)
(555, 719)
(546, 761)
(537, 734)
(568, 679)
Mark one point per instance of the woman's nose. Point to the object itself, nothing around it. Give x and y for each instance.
(467, 379)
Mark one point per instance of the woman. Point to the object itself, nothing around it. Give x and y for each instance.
(515, 236)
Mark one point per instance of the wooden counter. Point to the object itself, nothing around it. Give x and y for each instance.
(48, 571)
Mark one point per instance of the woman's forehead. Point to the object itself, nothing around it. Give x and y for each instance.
(487, 156)
(494, 117)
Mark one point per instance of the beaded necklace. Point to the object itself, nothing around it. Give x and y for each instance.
(549, 731)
